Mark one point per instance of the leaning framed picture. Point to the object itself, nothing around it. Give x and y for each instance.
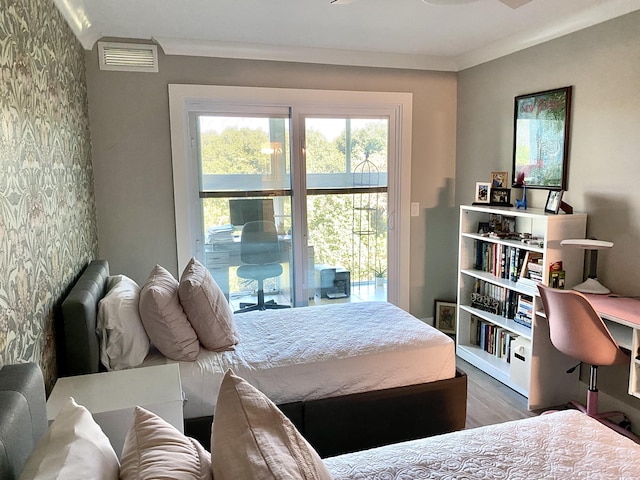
(482, 192)
(445, 316)
(541, 139)
(554, 199)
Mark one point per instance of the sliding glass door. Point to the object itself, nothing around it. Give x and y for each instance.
(245, 167)
(324, 168)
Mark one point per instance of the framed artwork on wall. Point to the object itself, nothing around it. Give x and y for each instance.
(541, 139)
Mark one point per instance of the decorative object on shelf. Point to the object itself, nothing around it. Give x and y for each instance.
(591, 284)
(521, 183)
(556, 275)
(500, 197)
(485, 303)
(541, 138)
(553, 201)
(445, 316)
(482, 192)
(499, 179)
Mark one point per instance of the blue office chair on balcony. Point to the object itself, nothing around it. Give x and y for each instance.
(577, 330)
(260, 256)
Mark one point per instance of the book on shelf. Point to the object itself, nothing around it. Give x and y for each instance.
(491, 338)
(502, 261)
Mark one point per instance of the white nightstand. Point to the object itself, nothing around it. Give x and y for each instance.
(112, 396)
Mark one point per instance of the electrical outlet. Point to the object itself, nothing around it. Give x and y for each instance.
(415, 209)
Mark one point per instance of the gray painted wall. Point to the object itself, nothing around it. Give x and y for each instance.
(129, 119)
(603, 65)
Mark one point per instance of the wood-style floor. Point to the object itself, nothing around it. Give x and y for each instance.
(489, 401)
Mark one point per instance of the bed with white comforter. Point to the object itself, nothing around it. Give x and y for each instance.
(350, 376)
(319, 352)
(566, 445)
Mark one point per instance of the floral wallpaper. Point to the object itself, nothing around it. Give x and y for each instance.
(47, 211)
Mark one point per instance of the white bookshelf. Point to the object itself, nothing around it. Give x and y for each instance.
(541, 376)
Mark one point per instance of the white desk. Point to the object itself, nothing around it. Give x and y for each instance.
(112, 396)
(622, 316)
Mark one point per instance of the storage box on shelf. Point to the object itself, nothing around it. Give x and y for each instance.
(498, 302)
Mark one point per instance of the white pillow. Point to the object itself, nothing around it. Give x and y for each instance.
(123, 340)
(154, 449)
(251, 438)
(74, 447)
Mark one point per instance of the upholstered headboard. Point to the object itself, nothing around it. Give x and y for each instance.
(23, 416)
(80, 312)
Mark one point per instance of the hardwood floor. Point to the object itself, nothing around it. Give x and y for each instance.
(489, 401)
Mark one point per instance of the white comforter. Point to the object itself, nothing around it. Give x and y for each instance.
(565, 445)
(317, 352)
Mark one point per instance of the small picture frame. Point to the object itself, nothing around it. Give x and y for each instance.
(484, 227)
(499, 179)
(554, 200)
(445, 316)
(500, 197)
(482, 192)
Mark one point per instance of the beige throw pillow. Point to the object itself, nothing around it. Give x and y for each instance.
(164, 319)
(207, 308)
(251, 438)
(74, 447)
(155, 449)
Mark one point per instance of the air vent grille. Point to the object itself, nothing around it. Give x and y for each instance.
(128, 57)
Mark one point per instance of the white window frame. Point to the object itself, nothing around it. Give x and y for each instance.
(184, 99)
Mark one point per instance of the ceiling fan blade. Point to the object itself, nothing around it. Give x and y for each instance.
(342, 2)
(515, 3)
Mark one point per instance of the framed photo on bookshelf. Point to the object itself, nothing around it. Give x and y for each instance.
(554, 199)
(500, 197)
(499, 179)
(445, 316)
(482, 192)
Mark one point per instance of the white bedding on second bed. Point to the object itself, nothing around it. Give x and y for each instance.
(318, 352)
(563, 445)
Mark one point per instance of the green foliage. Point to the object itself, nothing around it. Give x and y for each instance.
(331, 218)
(235, 151)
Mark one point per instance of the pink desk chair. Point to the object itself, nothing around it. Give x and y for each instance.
(577, 330)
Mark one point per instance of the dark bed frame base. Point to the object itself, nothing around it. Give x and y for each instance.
(349, 423)
(332, 425)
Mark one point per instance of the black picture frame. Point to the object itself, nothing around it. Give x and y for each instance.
(500, 197)
(541, 128)
(554, 201)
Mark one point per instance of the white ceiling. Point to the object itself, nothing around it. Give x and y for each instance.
(382, 33)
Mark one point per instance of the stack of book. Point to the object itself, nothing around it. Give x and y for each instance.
(524, 313)
(532, 270)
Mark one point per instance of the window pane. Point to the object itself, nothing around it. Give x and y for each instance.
(243, 153)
